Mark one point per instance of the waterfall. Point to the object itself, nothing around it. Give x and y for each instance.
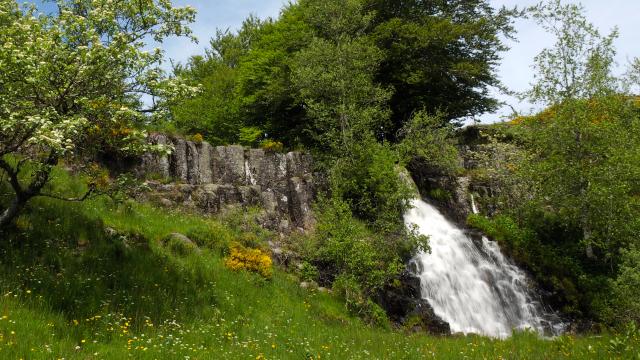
(473, 286)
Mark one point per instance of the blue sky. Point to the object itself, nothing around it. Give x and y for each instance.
(515, 70)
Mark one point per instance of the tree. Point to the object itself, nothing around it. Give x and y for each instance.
(216, 112)
(579, 64)
(586, 145)
(71, 84)
(439, 56)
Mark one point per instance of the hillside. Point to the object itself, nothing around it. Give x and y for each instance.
(103, 286)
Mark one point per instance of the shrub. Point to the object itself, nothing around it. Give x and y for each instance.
(357, 302)
(271, 146)
(197, 138)
(255, 260)
(626, 289)
(367, 180)
(250, 135)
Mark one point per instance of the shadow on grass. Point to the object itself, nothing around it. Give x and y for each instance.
(75, 265)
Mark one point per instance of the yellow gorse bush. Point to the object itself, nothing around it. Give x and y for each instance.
(256, 260)
(272, 146)
(197, 138)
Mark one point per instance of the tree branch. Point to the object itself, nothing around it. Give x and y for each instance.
(91, 191)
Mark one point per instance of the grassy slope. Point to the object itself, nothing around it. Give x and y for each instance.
(68, 290)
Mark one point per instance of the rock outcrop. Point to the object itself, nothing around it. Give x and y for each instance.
(448, 193)
(211, 178)
(404, 305)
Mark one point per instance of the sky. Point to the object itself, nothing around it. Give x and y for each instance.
(515, 70)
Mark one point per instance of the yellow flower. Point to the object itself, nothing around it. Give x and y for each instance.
(242, 258)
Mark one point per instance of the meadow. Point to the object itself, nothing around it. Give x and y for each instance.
(95, 280)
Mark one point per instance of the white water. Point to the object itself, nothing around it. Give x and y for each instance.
(474, 287)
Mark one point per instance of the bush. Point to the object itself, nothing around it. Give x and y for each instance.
(357, 302)
(272, 146)
(626, 289)
(255, 260)
(368, 181)
(197, 138)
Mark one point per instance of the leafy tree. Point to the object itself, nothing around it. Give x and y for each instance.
(216, 112)
(264, 86)
(586, 146)
(71, 84)
(440, 56)
(579, 64)
(335, 84)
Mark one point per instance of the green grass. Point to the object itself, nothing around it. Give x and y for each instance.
(69, 289)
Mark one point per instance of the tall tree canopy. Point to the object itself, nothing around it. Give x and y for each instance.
(432, 56)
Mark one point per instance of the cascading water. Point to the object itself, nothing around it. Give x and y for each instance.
(474, 287)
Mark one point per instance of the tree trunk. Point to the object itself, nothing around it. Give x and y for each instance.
(11, 212)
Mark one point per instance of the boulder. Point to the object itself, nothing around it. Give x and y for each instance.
(180, 244)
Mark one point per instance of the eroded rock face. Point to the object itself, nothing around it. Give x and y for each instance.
(212, 178)
(449, 194)
(158, 164)
(228, 165)
(178, 160)
(404, 305)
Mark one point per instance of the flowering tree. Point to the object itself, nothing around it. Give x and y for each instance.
(71, 84)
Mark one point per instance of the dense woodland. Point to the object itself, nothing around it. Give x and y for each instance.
(367, 87)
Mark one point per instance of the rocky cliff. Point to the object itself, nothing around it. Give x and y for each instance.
(211, 178)
(480, 162)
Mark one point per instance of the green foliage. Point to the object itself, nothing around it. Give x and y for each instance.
(326, 64)
(250, 136)
(552, 262)
(439, 194)
(579, 64)
(215, 112)
(368, 181)
(351, 249)
(72, 80)
(357, 302)
(356, 261)
(426, 140)
(72, 290)
(565, 180)
(626, 289)
(439, 56)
